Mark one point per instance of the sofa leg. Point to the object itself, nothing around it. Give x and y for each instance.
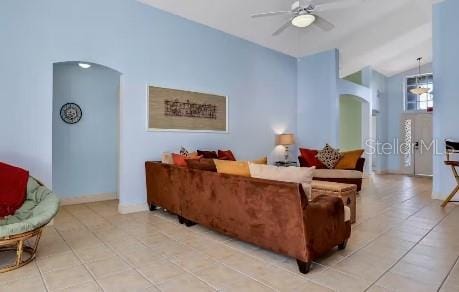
(153, 207)
(304, 267)
(189, 223)
(181, 220)
(343, 245)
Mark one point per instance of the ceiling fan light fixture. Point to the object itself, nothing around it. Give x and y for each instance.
(303, 20)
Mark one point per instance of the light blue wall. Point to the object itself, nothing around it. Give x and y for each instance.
(85, 155)
(380, 100)
(147, 46)
(395, 108)
(446, 62)
(318, 100)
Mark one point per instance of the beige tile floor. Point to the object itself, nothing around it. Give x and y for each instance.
(403, 241)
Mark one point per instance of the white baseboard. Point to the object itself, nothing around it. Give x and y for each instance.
(132, 208)
(89, 199)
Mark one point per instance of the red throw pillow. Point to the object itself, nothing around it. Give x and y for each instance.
(226, 155)
(309, 155)
(13, 188)
(208, 154)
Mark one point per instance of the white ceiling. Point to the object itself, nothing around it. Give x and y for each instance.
(386, 34)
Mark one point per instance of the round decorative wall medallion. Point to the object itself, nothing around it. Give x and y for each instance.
(71, 113)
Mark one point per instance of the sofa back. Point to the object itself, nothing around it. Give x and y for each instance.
(263, 212)
(162, 189)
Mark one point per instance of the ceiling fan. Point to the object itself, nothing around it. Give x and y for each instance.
(303, 13)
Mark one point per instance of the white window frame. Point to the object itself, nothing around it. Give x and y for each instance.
(405, 91)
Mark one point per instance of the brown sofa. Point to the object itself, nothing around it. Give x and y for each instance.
(344, 176)
(270, 214)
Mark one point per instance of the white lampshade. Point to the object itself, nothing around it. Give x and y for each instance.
(303, 20)
(285, 139)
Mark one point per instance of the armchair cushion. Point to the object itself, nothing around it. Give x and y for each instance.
(38, 210)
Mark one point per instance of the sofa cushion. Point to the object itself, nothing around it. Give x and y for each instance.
(286, 174)
(166, 158)
(349, 159)
(329, 156)
(201, 164)
(180, 160)
(232, 167)
(208, 154)
(226, 155)
(337, 173)
(309, 156)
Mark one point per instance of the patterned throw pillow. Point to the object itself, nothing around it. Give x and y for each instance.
(329, 156)
(184, 152)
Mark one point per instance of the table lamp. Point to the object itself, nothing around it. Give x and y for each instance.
(285, 140)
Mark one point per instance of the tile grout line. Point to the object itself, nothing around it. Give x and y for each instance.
(406, 253)
(449, 273)
(224, 242)
(42, 277)
(110, 248)
(216, 260)
(375, 239)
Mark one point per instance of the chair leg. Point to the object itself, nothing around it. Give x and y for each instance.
(450, 197)
(19, 252)
(153, 207)
(304, 267)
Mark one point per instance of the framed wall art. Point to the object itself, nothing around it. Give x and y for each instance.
(187, 111)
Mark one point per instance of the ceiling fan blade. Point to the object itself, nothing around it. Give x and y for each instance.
(283, 27)
(336, 5)
(271, 14)
(323, 24)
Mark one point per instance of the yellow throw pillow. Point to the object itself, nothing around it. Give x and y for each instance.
(263, 160)
(233, 167)
(349, 159)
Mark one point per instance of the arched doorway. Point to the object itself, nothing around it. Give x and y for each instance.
(355, 126)
(86, 100)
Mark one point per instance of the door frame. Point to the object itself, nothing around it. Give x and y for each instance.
(410, 170)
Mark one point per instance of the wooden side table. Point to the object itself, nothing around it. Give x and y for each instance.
(344, 191)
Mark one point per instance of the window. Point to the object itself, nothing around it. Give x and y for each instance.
(422, 102)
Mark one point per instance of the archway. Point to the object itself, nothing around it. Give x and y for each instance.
(355, 126)
(86, 99)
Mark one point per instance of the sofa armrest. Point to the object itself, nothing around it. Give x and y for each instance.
(360, 164)
(324, 225)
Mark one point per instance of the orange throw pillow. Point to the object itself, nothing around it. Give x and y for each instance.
(263, 160)
(232, 167)
(180, 160)
(349, 159)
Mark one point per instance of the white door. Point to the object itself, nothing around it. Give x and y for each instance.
(417, 144)
(423, 144)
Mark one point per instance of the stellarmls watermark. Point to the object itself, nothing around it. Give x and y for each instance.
(399, 147)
